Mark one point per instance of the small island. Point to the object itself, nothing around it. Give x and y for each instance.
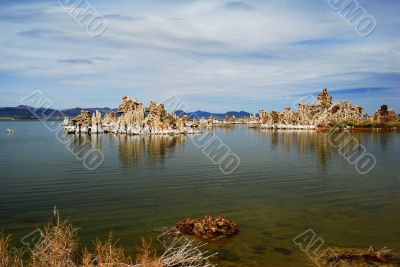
(325, 114)
(133, 119)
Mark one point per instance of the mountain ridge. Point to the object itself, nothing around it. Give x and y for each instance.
(27, 112)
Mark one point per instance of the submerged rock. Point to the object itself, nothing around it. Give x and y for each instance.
(355, 257)
(208, 227)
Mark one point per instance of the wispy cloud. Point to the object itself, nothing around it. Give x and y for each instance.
(239, 5)
(89, 61)
(41, 33)
(322, 42)
(122, 17)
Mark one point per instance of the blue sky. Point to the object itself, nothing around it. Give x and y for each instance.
(215, 55)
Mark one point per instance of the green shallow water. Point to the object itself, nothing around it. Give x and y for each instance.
(287, 182)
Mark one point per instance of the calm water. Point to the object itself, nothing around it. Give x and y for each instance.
(287, 182)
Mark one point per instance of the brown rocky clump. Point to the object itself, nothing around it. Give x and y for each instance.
(324, 99)
(128, 104)
(208, 227)
(83, 120)
(385, 115)
(156, 115)
(354, 257)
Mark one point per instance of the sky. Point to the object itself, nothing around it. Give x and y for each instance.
(215, 55)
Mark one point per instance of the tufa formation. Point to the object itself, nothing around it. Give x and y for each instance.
(309, 116)
(133, 118)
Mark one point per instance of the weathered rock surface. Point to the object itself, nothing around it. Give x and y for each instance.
(110, 119)
(208, 227)
(134, 119)
(385, 115)
(320, 114)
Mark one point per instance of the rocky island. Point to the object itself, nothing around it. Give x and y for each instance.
(325, 114)
(133, 119)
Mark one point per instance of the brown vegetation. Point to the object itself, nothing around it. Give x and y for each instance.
(9, 256)
(59, 248)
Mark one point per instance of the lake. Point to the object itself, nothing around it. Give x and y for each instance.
(287, 182)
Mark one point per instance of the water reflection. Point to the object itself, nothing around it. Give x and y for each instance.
(302, 142)
(317, 142)
(81, 144)
(132, 149)
(153, 148)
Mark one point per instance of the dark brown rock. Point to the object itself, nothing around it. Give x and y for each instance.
(208, 227)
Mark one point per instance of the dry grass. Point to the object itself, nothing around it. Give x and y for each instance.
(145, 257)
(59, 248)
(107, 253)
(9, 257)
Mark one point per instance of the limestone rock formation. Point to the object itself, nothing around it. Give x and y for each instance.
(324, 99)
(110, 119)
(230, 119)
(385, 115)
(253, 119)
(96, 122)
(133, 118)
(82, 122)
(208, 227)
(320, 114)
(155, 115)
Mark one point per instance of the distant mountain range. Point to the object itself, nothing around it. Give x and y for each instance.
(26, 112)
(200, 114)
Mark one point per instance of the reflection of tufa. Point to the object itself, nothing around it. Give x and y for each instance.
(10, 131)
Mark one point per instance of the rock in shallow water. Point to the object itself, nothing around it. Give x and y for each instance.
(208, 227)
